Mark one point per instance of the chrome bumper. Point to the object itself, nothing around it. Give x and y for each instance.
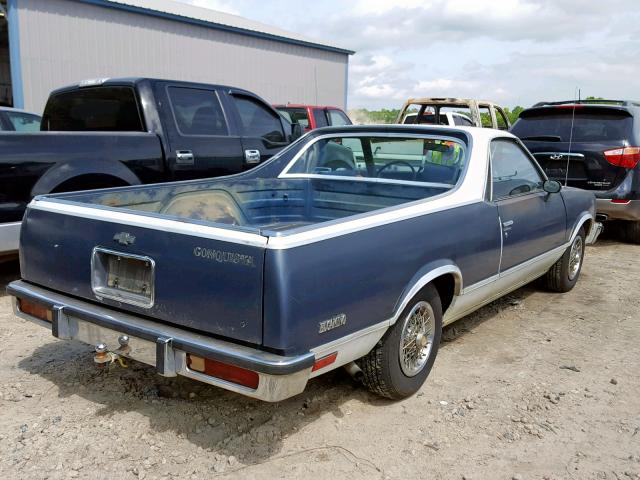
(164, 346)
(619, 211)
(9, 236)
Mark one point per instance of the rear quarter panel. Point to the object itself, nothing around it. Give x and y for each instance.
(364, 274)
(579, 205)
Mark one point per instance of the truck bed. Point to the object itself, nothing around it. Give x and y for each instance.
(201, 240)
(265, 204)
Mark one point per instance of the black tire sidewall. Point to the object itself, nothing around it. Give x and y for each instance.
(402, 385)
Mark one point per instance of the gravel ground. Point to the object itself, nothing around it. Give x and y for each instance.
(533, 386)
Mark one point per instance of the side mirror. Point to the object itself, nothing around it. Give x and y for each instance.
(296, 131)
(552, 186)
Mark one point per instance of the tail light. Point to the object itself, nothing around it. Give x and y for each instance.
(223, 371)
(35, 310)
(324, 361)
(626, 157)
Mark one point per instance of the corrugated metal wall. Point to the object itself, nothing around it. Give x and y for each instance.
(62, 42)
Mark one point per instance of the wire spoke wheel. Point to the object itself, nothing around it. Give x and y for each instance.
(418, 331)
(575, 257)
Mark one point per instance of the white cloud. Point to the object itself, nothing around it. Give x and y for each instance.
(509, 51)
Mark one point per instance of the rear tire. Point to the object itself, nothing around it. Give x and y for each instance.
(564, 274)
(631, 232)
(401, 361)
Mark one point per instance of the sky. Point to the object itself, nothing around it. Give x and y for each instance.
(513, 52)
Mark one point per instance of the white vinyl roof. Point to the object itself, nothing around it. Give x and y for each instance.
(191, 13)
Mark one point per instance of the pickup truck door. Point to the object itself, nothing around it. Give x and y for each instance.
(533, 221)
(201, 137)
(260, 127)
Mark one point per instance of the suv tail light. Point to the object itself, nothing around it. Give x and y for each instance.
(626, 157)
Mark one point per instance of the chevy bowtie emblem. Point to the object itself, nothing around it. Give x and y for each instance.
(556, 156)
(124, 238)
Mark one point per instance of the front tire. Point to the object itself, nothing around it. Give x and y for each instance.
(563, 275)
(401, 361)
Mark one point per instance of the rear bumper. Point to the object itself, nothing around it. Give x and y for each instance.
(163, 346)
(630, 210)
(9, 236)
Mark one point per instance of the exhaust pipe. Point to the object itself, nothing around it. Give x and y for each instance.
(354, 370)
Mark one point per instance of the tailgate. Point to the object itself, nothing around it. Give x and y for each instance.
(201, 277)
(587, 166)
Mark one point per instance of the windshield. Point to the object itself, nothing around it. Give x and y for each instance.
(554, 125)
(388, 159)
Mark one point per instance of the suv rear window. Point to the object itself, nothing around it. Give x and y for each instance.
(99, 109)
(589, 125)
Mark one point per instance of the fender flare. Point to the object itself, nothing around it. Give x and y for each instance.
(425, 275)
(64, 171)
(583, 218)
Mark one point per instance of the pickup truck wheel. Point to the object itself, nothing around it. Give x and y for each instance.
(563, 275)
(631, 232)
(401, 361)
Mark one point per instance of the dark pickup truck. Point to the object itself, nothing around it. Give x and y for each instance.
(129, 131)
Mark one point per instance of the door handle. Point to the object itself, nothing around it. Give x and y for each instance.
(184, 157)
(506, 227)
(252, 157)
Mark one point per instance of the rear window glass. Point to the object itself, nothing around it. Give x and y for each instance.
(437, 114)
(425, 160)
(296, 115)
(107, 109)
(555, 126)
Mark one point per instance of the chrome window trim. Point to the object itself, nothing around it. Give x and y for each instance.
(369, 180)
(467, 153)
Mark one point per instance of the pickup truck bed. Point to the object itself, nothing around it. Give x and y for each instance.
(214, 230)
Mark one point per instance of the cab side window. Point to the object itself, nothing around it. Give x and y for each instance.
(338, 118)
(257, 120)
(197, 111)
(513, 173)
(320, 117)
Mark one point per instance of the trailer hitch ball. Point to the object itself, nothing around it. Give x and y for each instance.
(101, 357)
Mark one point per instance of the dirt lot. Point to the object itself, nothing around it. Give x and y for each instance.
(534, 386)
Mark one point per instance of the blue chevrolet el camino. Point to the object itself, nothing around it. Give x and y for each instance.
(353, 247)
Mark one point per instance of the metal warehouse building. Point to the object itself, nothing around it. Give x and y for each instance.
(46, 44)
